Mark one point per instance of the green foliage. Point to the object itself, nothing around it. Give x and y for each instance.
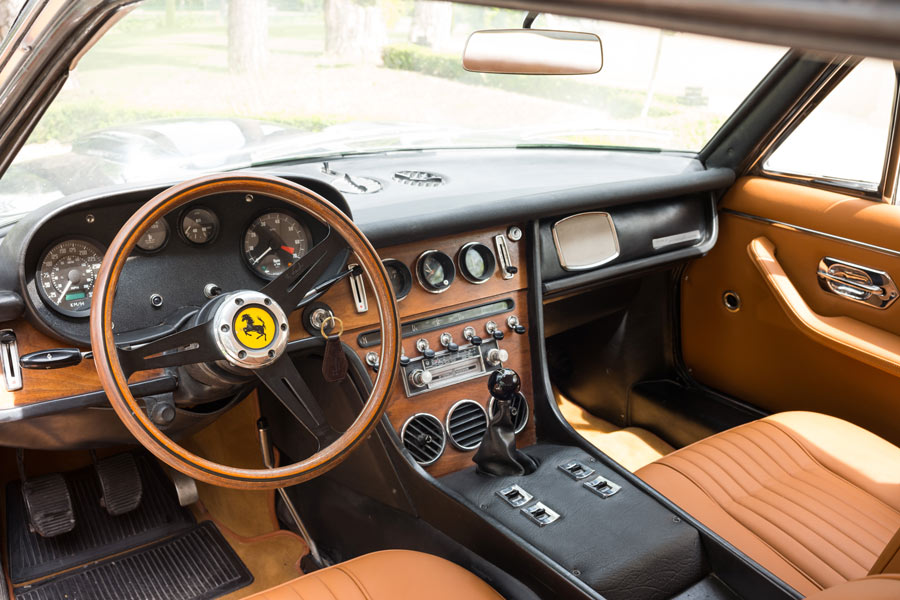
(65, 122)
(618, 103)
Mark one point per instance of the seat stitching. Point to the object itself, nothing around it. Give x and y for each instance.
(775, 525)
(761, 540)
(836, 499)
(327, 587)
(789, 434)
(356, 580)
(826, 491)
(787, 515)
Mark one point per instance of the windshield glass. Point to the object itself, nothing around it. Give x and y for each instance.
(180, 88)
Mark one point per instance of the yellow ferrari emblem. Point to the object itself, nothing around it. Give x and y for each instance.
(254, 327)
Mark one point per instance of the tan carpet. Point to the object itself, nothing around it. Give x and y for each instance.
(631, 447)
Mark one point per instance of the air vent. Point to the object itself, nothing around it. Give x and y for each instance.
(419, 178)
(423, 435)
(466, 424)
(519, 407)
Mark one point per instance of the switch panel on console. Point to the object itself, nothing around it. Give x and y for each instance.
(602, 487)
(576, 470)
(515, 496)
(541, 514)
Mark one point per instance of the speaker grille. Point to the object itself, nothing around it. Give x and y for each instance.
(466, 424)
(423, 435)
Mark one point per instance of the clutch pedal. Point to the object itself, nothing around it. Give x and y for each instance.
(49, 505)
(47, 502)
(120, 483)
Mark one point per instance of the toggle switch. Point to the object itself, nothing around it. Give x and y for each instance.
(541, 514)
(576, 470)
(515, 496)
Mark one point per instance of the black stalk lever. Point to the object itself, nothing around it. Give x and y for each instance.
(55, 358)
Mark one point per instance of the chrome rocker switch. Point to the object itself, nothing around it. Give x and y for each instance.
(602, 487)
(541, 514)
(576, 470)
(515, 496)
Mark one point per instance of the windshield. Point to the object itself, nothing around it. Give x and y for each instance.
(180, 88)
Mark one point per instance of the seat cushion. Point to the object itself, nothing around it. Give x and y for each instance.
(877, 587)
(387, 575)
(812, 498)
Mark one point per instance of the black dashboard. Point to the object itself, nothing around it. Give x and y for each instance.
(419, 194)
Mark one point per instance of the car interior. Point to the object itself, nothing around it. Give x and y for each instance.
(316, 364)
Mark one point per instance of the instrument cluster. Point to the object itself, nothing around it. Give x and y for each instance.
(271, 242)
(435, 271)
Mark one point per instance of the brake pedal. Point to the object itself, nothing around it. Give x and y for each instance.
(120, 483)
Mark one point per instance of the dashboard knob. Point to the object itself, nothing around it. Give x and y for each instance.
(497, 334)
(497, 356)
(520, 329)
(428, 353)
(420, 378)
(452, 347)
(476, 340)
(504, 384)
(404, 360)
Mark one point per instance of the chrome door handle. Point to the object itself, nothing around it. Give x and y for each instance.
(857, 283)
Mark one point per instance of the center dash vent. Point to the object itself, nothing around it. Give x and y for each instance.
(518, 406)
(466, 424)
(419, 178)
(423, 435)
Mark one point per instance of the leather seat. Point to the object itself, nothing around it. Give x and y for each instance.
(386, 575)
(812, 498)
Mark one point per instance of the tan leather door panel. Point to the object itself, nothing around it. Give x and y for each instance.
(762, 355)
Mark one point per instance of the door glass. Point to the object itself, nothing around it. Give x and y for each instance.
(845, 137)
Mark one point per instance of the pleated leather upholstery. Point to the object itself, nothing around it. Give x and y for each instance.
(386, 575)
(812, 498)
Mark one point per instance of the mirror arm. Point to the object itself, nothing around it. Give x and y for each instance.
(529, 19)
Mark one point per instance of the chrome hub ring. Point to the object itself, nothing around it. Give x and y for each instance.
(251, 330)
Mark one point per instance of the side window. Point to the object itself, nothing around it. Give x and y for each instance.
(846, 136)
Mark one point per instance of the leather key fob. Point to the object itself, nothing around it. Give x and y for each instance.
(334, 365)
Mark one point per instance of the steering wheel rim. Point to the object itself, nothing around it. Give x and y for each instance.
(109, 359)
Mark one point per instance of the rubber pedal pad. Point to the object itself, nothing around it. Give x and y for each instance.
(120, 483)
(49, 505)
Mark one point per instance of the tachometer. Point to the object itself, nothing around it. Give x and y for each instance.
(65, 276)
(273, 242)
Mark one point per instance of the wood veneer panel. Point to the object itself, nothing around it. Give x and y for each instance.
(40, 385)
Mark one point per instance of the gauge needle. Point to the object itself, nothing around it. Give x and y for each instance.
(64, 292)
(288, 249)
(260, 257)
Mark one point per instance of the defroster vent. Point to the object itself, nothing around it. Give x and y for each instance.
(423, 435)
(466, 424)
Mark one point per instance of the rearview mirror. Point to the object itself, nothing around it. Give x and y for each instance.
(533, 52)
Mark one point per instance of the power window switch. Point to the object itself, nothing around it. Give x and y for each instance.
(515, 496)
(576, 470)
(602, 487)
(541, 514)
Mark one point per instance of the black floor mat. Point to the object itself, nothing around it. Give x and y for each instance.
(96, 533)
(195, 565)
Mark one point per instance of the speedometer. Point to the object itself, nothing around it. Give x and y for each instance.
(273, 242)
(66, 273)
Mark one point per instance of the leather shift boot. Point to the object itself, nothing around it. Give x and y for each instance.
(498, 456)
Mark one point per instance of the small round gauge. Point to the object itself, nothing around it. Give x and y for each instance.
(401, 277)
(476, 262)
(155, 237)
(199, 225)
(273, 242)
(66, 274)
(435, 271)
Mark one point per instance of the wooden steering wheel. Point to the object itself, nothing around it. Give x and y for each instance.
(216, 337)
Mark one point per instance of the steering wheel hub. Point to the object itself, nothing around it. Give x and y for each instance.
(251, 329)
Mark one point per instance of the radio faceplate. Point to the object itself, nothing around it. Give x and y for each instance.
(447, 368)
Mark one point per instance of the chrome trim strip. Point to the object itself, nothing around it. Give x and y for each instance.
(799, 229)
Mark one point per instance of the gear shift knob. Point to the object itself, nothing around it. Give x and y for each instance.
(504, 384)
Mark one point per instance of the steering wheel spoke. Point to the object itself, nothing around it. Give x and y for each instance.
(192, 345)
(289, 289)
(287, 385)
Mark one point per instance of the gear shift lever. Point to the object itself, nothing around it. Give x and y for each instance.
(497, 456)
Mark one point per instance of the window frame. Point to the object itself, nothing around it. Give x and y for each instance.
(885, 190)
